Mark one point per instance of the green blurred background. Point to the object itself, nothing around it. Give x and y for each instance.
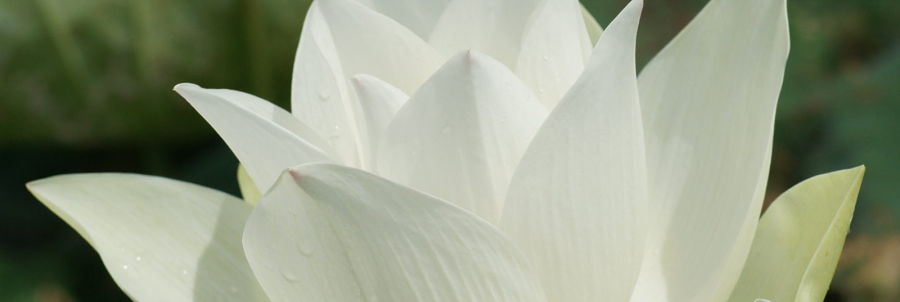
(85, 86)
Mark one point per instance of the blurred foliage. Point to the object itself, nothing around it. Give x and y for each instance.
(87, 87)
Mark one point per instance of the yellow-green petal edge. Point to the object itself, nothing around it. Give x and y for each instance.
(799, 240)
(249, 190)
(593, 27)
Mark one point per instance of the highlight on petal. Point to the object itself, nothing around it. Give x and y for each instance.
(379, 102)
(160, 239)
(319, 95)
(493, 27)
(249, 190)
(332, 233)
(462, 134)
(577, 202)
(555, 47)
(371, 43)
(264, 138)
(708, 102)
(799, 240)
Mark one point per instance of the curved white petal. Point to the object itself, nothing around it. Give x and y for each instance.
(379, 102)
(332, 233)
(371, 43)
(708, 101)
(319, 95)
(261, 135)
(555, 48)
(160, 239)
(577, 202)
(494, 27)
(593, 27)
(799, 240)
(462, 134)
(417, 15)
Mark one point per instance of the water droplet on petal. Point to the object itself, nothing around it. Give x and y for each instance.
(546, 58)
(125, 267)
(184, 272)
(289, 276)
(540, 90)
(324, 95)
(138, 258)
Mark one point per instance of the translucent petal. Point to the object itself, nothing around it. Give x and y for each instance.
(371, 43)
(593, 27)
(708, 101)
(319, 95)
(160, 239)
(462, 134)
(799, 240)
(493, 27)
(255, 131)
(379, 102)
(577, 203)
(555, 48)
(332, 233)
(249, 190)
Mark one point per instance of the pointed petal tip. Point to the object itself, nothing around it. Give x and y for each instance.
(181, 87)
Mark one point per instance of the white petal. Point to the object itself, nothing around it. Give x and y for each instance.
(494, 27)
(417, 15)
(379, 102)
(248, 125)
(799, 240)
(319, 94)
(160, 239)
(371, 43)
(331, 233)
(577, 202)
(709, 101)
(554, 50)
(462, 134)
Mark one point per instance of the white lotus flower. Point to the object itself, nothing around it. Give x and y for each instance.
(483, 150)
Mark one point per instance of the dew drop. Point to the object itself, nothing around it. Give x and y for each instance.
(324, 96)
(289, 276)
(125, 267)
(546, 58)
(305, 250)
(540, 90)
(138, 258)
(184, 272)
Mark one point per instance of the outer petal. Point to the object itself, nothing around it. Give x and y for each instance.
(379, 102)
(577, 203)
(160, 239)
(462, 134)
(708, 101)
(259, 133)
(417, 15)
(799, 240)
(554, 49)
(371, 43)
(331, 233)
(494, 27)
(319, 95)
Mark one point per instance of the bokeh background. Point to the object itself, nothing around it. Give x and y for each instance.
(85, 86)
